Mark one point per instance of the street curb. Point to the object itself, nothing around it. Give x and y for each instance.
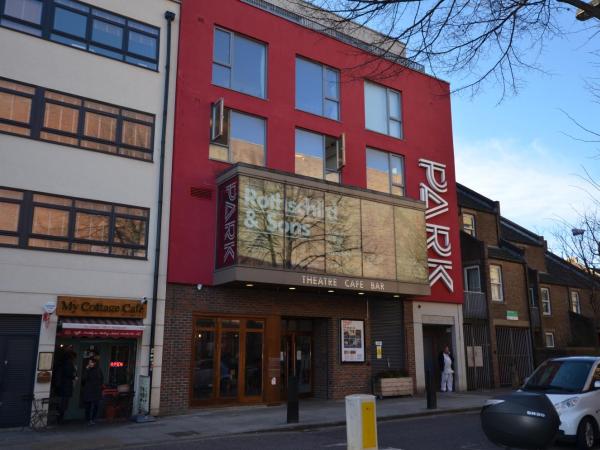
(308, 426)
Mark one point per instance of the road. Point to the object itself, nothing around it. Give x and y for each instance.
(444, 432)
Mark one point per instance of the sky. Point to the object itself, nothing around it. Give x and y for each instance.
(517, 152)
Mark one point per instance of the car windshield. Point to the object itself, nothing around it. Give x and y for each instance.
(559, 376)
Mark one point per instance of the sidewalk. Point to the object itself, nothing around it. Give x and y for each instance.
(226, 421)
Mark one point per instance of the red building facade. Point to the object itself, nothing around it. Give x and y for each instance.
(281, 265)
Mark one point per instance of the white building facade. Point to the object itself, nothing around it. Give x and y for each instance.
(86, 110)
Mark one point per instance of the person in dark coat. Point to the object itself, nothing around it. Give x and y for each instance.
(66, 375)
(446, 362)
(91, 381)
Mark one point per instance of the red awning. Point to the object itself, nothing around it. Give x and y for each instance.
(100, 327)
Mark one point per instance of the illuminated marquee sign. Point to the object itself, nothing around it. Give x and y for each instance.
(314, 234)
(438, 236)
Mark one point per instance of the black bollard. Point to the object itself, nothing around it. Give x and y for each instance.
(292, 400)
(430, 390)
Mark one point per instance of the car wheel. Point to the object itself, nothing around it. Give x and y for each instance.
(586, 434)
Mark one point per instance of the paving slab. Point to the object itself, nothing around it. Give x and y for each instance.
(210, 422)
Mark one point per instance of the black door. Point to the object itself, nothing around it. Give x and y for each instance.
(18, 350)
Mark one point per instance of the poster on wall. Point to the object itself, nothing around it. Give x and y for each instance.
(352, 341)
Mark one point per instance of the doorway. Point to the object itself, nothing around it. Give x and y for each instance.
(18, 354)
(297, 355)
(227, 364)
(116, 361)
(435, 338)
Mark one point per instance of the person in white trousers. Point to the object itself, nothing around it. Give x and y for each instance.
(446, 368)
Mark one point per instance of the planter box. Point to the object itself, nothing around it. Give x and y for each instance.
(391, 387)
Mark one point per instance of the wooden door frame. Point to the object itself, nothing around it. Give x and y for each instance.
(242, 330)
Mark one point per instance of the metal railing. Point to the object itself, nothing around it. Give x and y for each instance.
(475, 305)
(330, 31)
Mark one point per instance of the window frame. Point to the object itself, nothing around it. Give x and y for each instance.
(389, 118)
(38, 112)
(465, 271)
(233, 35)
(391, 183)
(501, 284)
(46, 31)
(551, 335)
(474, 225)
(221, 113)
(324, 97)
(544, 303)
(572, 296)
(28, 203)
(340, 150)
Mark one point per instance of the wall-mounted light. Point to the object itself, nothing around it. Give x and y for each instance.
(292, 288)
(249, 285)
(361, 293)
(330, 291)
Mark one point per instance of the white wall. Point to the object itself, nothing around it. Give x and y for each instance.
(432, 313)
(30, 278)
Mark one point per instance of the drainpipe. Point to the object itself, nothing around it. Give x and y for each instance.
(169, 16)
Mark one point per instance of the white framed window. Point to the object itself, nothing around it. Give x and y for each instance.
(549, 338)
(383, 110)
(317, 89)
(496, 283)
(239, 63)
(472, 279)
(546, 305)
(237, 137)
(575, 304)
(469, 224)
(385, 172)
(318, 155)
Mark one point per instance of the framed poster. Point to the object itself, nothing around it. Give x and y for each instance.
(352, 341)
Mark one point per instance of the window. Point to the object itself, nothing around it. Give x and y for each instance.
(53, 116)
(317, 89)
(237, 137)
(385, 172)
(575, 304)
(546, 305)
(43, 221)
(239, 63)
(496, 282)
(82, 26)
(549, 337)
(469, 224)
(319, 156)
(472, 279)
(383, 110)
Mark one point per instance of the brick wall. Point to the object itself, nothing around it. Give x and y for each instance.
(183, 301)
(486, 227)
(514, 285)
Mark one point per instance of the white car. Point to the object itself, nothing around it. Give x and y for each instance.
(573, 385)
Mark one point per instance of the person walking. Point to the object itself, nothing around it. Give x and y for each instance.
(66, 376)
(446, 362)
(92, 381)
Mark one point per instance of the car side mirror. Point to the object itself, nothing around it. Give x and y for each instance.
(597, 384)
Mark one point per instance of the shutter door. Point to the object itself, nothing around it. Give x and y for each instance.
(387, 326)
(18, 350)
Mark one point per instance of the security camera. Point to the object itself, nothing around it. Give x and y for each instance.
(199, 287)
(144, 300)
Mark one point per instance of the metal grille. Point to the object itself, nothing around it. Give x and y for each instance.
(479, 376)
(313, 25)
(515, 360)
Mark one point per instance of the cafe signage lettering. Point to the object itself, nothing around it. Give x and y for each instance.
(97, 307)
(348, 283)
(438, 236)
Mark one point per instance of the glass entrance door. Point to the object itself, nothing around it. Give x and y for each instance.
(228, 360)
(296, 349)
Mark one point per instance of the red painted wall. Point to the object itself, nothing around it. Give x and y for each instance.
(426, 114)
